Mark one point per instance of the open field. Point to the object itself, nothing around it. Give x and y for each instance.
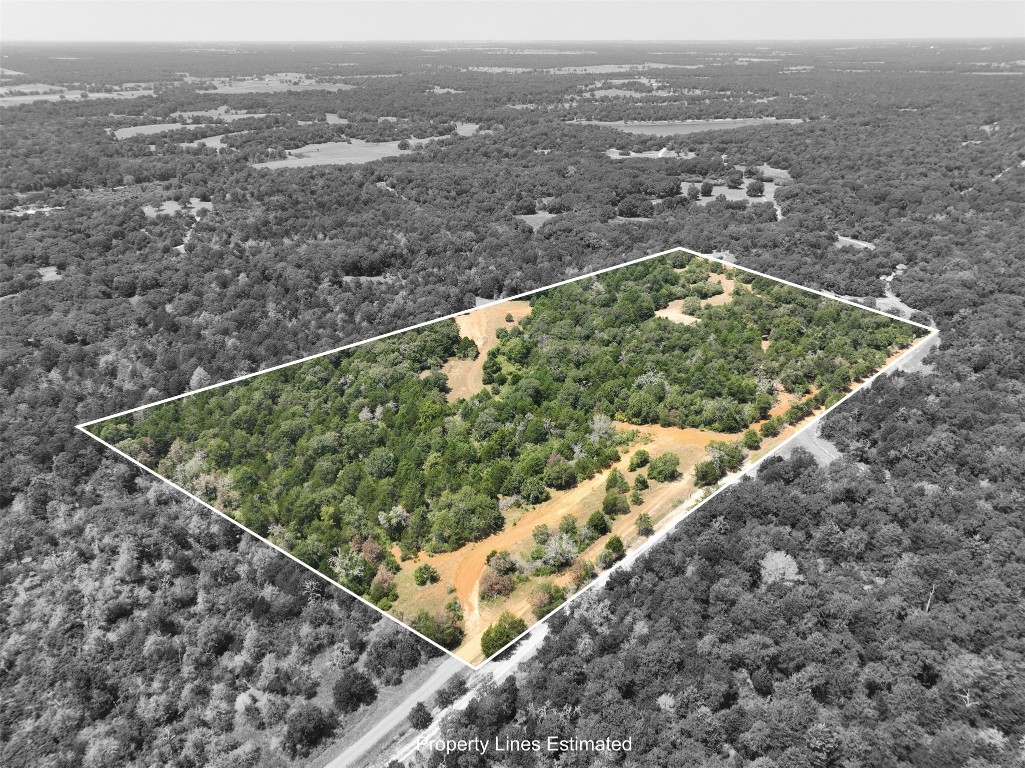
(355, 151)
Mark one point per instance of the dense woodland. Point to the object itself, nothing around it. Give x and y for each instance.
(340, 458)
(901, 564)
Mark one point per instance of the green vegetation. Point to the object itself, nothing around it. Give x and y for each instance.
(546, 598)
(425, 574)
(501, 633)
(340, 459)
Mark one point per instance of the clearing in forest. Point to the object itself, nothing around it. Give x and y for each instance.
(470, 475)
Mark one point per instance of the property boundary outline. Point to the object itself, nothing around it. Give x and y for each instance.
(633, 555)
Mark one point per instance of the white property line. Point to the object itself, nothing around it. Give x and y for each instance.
(631, 556)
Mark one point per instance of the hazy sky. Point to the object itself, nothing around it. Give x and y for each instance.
(333, 20)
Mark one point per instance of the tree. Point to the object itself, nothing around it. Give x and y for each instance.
(644, 524)
(616, 482)
(613, 552)
(501, 633)
(425, 574)
(352, 690)
(755, 188)
(420, 717)
(598, 523)
(451, 691)
(664, 468)
(305, 727)
(638, 460)
(734, 179)
(751, 440)
(693, 192)
(614, 504)
(706, 188)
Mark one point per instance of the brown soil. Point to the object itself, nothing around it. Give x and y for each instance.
(674, 311)
(466, 377)
(723, 298)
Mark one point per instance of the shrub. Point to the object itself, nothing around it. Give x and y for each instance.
(419, 716)
(451, 691)
(501, 633)
(501, 562)
(751, 440)
(446, 631)
(425, 574)
(494, 584)
(664, 468)
(613, 552)
(583, 573)
(706, 473)
(305, 727)
(641, 483)
(614, 504)
(639, 459)
(644, 524)
(541, 534)
(616, 483)
(598, 523)
(546, 598)
(352, 690)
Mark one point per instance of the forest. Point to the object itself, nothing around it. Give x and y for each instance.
(340, 459)
(920, 155)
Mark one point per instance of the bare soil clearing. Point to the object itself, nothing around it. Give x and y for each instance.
(674, 311)
(466, 377)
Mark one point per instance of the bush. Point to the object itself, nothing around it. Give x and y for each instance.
(446, 631)
(546, 598)
(664, 468)
(305, 727)
(494, 584)
(636, 499)
(706, 473)
(353, 690)
(451, 691)
(425, 574)
(541, 534)
(501, 633)
(613, 504)
(771, 427)
(613, 552)
(616, 483)
(639, 459)
(419, 716)
(583, 573)
(501, 562)
(641, 483)
(751, 440)
(598, 523)
(644, 524)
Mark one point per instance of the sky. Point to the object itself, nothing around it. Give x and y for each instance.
(505, 20)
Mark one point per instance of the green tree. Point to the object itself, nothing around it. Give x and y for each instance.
(664, 468)
(546, 598)
(425, 574)
(501, 633)
(638, 460)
